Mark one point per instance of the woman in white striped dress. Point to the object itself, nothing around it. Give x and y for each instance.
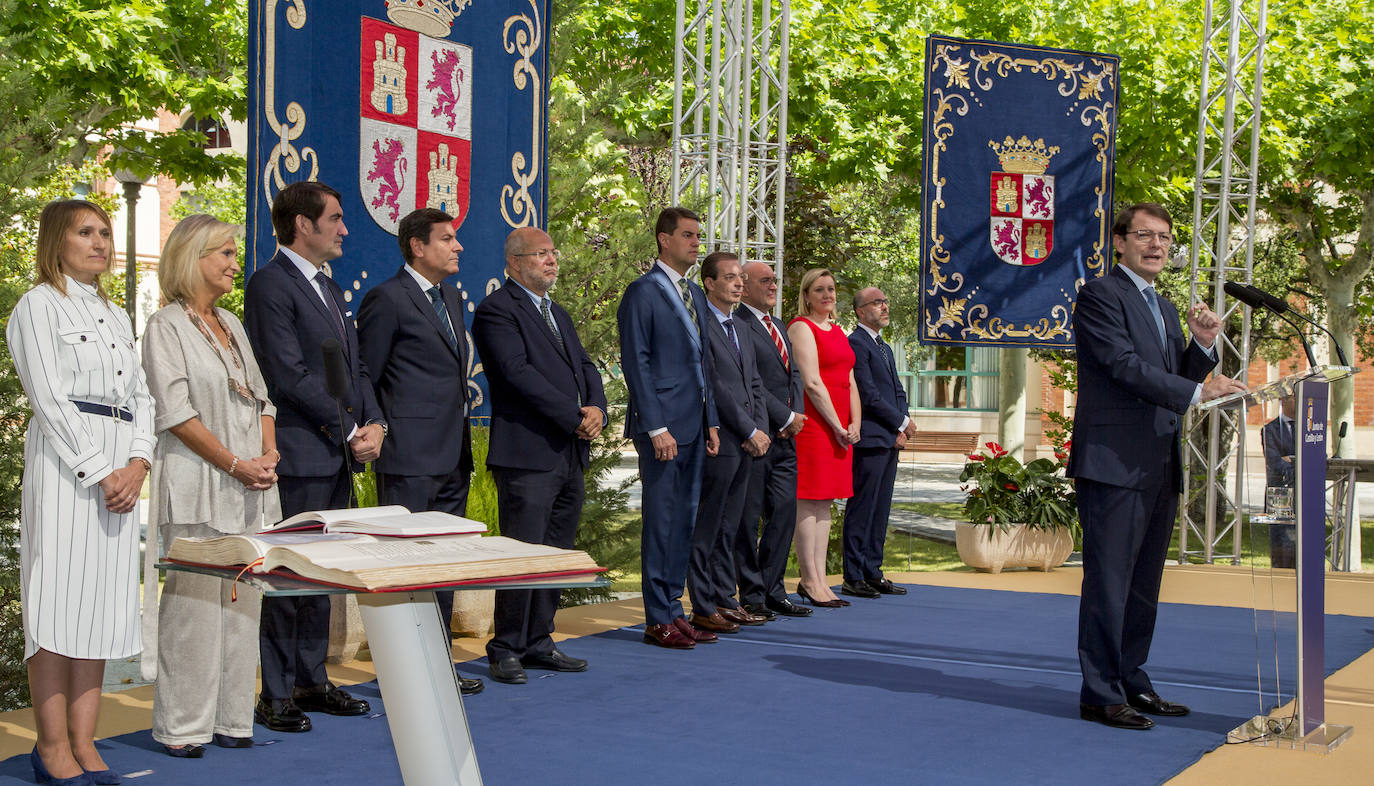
(86, 454)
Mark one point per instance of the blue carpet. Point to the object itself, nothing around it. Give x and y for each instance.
(940, 686)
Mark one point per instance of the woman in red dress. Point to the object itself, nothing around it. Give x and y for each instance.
(821, 351)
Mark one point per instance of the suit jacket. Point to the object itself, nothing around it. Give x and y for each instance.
(286, 322)
(1132, 392)
(881, 395)
(741, 401)
(420, 378)
(538, 381)
(1278, 442)
(665, 362)
(781, 382)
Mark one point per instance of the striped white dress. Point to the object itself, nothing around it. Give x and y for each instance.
(79, 562)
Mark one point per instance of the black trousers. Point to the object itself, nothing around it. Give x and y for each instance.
(761, 552)
(293, 632)
(710, 570)
(536, 507)
(865, 517)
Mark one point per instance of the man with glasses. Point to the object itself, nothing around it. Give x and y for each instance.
(883, 432)
(547, 405)
(1136, 378)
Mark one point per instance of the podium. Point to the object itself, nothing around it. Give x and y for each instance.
(1310, 730)
(424, 708)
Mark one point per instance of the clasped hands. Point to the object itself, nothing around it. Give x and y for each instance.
(665, 445)
(122, 485)
(908, 433)
(592, 423)
(257, 474)
(367, 443)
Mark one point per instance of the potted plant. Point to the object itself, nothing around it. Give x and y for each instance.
(1019, 515)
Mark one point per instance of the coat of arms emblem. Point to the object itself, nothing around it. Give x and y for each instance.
(415, 113)
(1022, 214)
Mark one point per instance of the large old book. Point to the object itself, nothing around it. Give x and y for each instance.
(370, 563)
(394, 521)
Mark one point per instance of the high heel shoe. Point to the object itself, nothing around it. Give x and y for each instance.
(41, 774)
(825, 604)
(105, 777)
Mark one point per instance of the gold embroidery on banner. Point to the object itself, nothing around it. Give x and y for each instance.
(283, 153)
(971, 73)
(517, 204)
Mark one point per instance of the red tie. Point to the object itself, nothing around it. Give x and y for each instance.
(777, 338)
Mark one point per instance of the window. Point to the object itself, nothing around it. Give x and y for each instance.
(216, 134)
(953, 378)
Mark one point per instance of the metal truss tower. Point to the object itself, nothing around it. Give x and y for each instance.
(1222, 249)
(730, 123)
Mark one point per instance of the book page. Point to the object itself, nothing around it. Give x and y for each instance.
(328, 517)
(425, 522)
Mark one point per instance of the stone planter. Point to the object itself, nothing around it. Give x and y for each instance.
(473, 611)
(1018, 546)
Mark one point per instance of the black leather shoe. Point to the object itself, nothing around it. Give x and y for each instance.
(1118, 716)
(1153, 704)
(507, 670)
(554, 660)
(225, 741)
(331, 700)
(885, 587)
(470, 686)
(858, 589)
(760, 610)
(281, 715)
(192, 751)
(787, 608)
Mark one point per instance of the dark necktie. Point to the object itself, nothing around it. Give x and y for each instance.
(734, 341)
(687, 301)
(324, 282)
(547, 310)
(436, 297)
(1152, 300)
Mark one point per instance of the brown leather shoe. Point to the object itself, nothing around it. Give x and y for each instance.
(667, 636)
(714, 623)
(699, 636)
(741, 617)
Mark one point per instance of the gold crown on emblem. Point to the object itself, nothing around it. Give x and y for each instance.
(1023, 156)
(431, 17)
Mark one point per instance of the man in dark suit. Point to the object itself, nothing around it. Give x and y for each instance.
(1136, 378)
(885, 428)
(411, 336)
(740, 404)
(671, 418)
(547, 405)
(1279, 440)
(761, 556)
(291, 306)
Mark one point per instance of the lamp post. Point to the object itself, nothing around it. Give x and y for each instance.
(132, 185)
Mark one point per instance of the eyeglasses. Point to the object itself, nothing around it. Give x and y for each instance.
(1145, 236)
(882, 301)
(542, 253)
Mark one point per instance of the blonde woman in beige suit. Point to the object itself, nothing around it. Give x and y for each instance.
(86, 454)
(216, 475)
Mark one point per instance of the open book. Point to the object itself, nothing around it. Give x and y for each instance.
(370, 563)
(390, 520)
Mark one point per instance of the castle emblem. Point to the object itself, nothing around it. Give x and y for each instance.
(414, 113)
(1022, 201)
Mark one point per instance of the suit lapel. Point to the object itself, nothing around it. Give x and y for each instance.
(674, 296)
(756, 325)
(531, 312)
(718, 331)
(305, 286)
(1146, 344)
(420, 299)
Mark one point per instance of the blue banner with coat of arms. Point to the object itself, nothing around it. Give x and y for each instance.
(398, 105)
(1017, 194)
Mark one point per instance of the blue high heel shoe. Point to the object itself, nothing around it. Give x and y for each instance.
(104, 777)
(41, 774)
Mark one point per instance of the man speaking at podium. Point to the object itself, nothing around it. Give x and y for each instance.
(291, 307)
(1135, 381)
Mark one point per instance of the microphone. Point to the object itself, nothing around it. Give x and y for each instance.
(1340, 436)
(1257, 298)
(335, 370)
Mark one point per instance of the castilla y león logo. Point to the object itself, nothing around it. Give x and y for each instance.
(1022, 214)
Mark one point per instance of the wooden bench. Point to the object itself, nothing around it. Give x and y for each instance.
(964, 442)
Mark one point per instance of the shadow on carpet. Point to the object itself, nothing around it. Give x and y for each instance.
(940, 686)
